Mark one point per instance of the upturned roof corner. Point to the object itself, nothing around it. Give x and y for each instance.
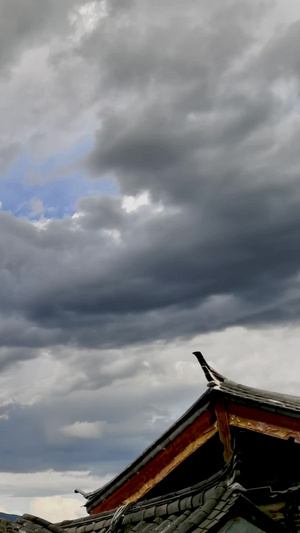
(213, 377)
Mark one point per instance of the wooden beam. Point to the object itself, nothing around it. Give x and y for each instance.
(223, 428)
(264, 422)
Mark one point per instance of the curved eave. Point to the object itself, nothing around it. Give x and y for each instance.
(289, 404)
(243, 403)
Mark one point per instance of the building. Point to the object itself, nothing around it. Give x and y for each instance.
(231, 463)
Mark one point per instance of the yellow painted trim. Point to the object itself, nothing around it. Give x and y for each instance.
(192, 447)
(263, 427)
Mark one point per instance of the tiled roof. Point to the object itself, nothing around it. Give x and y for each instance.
(29, 524)
(6, 526)
(193, 511)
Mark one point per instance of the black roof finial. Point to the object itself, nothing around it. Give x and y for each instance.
(84, 494)
(211, 375)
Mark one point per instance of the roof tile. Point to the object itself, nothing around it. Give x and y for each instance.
(141, 526)
(185, 504)
(149, 512)
(162, 510)
(198, 516)
(186, 526)
(173, 507)
(197, 500)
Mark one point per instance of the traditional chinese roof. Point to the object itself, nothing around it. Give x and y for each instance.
(230, 463)
(224, 406)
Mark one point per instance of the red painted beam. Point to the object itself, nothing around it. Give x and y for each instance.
(163, 463)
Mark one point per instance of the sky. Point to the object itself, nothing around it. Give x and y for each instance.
(149, 208)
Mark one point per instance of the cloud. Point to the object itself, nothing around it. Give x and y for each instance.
(18, 493)
(84, 430)
(132, 203)
(37, 207)
(107, 278)
(56, 508)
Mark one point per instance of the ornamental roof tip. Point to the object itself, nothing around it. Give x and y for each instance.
(262, 397)
(86, 495)
(213, 377)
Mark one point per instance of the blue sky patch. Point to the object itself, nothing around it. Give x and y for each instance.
(32, 189)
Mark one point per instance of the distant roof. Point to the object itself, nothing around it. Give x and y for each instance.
(29, 524)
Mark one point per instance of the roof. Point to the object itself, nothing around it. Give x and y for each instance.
(256, 409)
(195, 510)
(29, 524)
(203, 507)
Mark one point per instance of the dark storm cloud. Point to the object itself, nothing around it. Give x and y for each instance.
(76, 282)
(9, 356)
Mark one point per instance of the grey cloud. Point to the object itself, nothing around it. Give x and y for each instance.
(73, 282)
(7, 155)
(9, 356)
(166, 43)
(101, 212)
(216, 125)
(27, 24)
(33, 441)
(279, 58)
(40, 102)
